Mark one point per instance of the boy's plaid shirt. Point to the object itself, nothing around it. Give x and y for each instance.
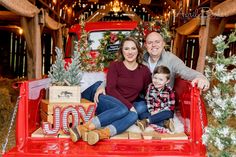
(158, 101)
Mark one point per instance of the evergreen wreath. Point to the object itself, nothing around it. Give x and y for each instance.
(105, 57)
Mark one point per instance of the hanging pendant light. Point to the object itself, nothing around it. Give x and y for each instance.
(116, 6)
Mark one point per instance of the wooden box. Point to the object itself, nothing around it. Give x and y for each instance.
(47, 109)
(64, 94)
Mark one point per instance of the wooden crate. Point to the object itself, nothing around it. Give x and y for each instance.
(48, 107)
(64, 94)
(39, 133)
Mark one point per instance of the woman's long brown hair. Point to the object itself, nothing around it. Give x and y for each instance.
(140, 50)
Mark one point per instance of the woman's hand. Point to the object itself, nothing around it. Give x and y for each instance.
(100, 90)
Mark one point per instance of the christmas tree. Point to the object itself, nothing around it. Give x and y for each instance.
(57, 71)
(87, 63)
(220, 135)
(73, 73)
(70, 76)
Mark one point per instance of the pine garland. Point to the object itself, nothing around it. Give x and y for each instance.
(157, 25)
(221, 98)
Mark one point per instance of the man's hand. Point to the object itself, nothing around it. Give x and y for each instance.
(100, 90)
(202, 83)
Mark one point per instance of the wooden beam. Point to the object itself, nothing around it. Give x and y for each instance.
(221, 27)
(145, 2)
(135, 17)
(173, 5)
(225, 9)
(103, 12)
(193, 36)
(80, 13)
(12, 28)
(59, 19)
(213, 28)
(99, 14)
(230, 26)
(214, 31)
(62, 3)
(203, 43)
(9, 16)
(48, 7)
(189, 27)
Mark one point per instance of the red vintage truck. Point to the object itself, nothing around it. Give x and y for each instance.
(190, 110)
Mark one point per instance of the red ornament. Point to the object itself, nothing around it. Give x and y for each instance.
(93, 54)
(105, 70)
(113, 37)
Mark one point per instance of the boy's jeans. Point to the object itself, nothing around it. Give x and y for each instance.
(158, 119)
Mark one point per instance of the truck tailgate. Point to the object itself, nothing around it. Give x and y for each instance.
(64, 147)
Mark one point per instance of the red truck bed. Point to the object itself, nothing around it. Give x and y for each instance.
(189, 105)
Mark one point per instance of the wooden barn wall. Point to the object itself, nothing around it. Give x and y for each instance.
(13, 54)
(46, 53)
(190, 53)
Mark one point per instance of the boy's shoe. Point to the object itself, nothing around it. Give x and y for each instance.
(142, 124)
(169, 124)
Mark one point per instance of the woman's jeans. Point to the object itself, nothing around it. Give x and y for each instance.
(90, 91)
(114, 112)
(158, 118)
(110, 110)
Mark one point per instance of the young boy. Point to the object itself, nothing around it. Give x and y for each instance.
(160, 101)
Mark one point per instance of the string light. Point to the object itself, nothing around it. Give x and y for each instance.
(54, 1)
(69, 10)
(20, 31)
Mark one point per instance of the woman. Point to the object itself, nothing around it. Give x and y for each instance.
(127, 78)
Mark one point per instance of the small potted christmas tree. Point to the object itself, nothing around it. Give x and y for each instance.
(65, 80)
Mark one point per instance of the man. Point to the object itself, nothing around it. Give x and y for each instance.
(156, 55)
